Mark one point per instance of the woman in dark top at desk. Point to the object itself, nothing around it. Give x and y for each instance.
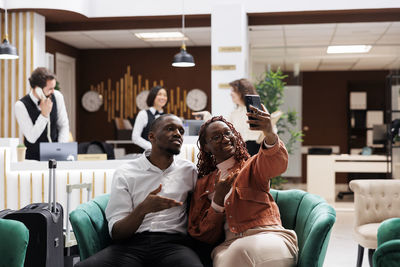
(156, 100)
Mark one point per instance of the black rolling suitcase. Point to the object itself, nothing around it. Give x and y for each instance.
(45, 224)
(4, 212)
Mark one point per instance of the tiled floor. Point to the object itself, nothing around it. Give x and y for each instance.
(342, 249)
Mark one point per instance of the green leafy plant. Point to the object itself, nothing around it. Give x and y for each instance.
(271, 90)
(57, 87)
(396, 139)
(21, 145)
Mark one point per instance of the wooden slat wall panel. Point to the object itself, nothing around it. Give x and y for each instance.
(14, 73)
(127, 88)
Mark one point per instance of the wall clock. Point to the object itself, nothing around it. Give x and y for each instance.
(141, 99)
(196, 100)
(92, 101)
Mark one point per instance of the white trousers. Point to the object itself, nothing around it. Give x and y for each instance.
(271, 246)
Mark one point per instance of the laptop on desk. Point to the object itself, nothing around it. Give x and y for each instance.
(194, 126)
(58, 151)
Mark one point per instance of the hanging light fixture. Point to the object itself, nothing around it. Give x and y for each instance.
(183, 58)
(7, 50)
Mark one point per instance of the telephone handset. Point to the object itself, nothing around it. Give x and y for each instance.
(42, 96)
(39, 92)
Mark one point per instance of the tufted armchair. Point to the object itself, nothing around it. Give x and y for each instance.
(388, 252)
(374, 202)
(309, 215)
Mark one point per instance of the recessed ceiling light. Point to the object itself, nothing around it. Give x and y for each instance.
(160, 36)
(342, 49)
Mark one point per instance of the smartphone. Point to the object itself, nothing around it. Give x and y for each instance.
(39, 92)
(255, 101)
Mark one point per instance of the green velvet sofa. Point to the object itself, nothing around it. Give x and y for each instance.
(309, 215)
(14, 238)
(388, 252)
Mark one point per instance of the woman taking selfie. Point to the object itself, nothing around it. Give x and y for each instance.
(232, 204)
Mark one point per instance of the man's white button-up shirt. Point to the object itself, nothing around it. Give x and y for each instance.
(132, 183)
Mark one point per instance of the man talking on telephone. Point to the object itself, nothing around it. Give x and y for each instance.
(41, 114)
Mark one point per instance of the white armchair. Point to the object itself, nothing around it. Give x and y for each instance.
(374, 202)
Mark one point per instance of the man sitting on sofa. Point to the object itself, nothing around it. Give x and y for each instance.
(146, 212)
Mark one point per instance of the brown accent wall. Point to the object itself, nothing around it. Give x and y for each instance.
(325, 106)
(53, 46)
(97, 65)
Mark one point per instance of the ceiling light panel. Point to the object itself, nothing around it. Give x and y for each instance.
(348, 49)
(160, 36)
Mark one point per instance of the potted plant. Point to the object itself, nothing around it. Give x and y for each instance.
(21, 152)
(396, 140)
(271, 90)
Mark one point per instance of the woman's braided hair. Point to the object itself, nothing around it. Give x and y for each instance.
(206, 161)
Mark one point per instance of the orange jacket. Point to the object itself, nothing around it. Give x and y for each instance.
(250, 203)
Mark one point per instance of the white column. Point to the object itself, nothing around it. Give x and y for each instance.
(39, 48)
(228, 30)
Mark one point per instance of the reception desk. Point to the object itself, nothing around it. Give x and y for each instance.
(22, 183)
(321, 170)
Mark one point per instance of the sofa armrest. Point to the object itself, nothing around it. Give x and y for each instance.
(389, 230)
(90, 228)
(318, 229)
(85, 233)
(14, 242)
(388, 254)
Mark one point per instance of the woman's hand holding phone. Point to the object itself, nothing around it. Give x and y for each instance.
(261, 120)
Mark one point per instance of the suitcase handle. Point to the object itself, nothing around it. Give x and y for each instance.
(52, 184)
(69, 189)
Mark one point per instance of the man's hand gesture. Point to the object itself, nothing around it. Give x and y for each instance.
(154, 202)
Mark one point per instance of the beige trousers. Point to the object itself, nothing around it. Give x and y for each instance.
(271, 246)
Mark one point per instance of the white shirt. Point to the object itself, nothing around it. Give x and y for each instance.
(132, 183)
(32, 131)
(239, 119)
(141, 123)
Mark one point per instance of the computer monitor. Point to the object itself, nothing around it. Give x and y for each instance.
(379, 134)
(194, 126)
(58, 151)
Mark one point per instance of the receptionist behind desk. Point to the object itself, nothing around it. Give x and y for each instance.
(41, 114)
(156, 100)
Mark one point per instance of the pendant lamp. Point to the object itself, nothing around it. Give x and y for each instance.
(7, 50)
(183, 58)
